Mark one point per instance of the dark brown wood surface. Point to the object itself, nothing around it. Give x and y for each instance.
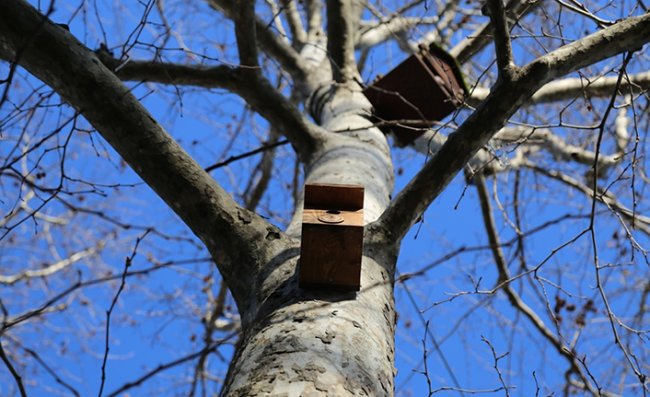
(332, 237)
(332, 196)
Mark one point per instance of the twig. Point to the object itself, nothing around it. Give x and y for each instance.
(49, 370)
(433, 340)
(496, 364)
(592, 229)
(79, 284)
(503, 47)
(424, 358)
(171, 364)
(127, 264)
(247, 154)
(12, 370)
(515, 300)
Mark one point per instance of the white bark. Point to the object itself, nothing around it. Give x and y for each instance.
(311, 342)
(301, 341)
(571, 88)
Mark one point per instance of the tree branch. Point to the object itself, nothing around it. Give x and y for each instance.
(171, 364)
(377, 32)
(270, 43)
(314, 17)
(503, 47)
(515, 300)
(244, 20)
(464, 50)
(574, 87)
(255, 90)
(52, 54)
(342, 18)
(504, 100)
(295, 23)
(636, 220)
(17, 378)
(556, 146)
(525, 138)
(53, 268)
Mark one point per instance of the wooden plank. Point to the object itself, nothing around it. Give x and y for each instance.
(333, 196)
(350, 218)
(331, 257)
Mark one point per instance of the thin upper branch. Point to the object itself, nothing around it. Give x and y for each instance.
(255, 89)
(244, 20)
(269, 42)
(314, 17)
(505, 98)
(234, 236)
(526, 139)
(342, 19)
(515, 300)
(515, 9)
(574, 87)
(607, 198)
(377, 32)
(17, 378)
(502, 44)
(298, 31)
(51, 269)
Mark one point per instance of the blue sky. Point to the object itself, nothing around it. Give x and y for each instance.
(157, 318)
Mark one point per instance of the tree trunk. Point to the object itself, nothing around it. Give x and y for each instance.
(315, 342)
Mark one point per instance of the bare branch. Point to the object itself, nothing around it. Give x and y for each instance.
(582, 10)
(574, 87)
(515, 9)
(314, 17)
(172, 364)
(127, 264)
(504, 100)
(244, 20)
(277, 21)
(12, 371)
(378, 32)
(264, 148)
(256, 90)
(555, 145)
(502, 44)
(47, 368)
(53, 268)
(270, 43)
(342, 18)
(496, 365)
(526, 139)
(295, 23)
(636, 220)
(257, 186)
(515, 300)
(52, 54)
(48, 306)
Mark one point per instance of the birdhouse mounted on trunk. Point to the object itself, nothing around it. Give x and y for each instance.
(425, 88)
(332, 237)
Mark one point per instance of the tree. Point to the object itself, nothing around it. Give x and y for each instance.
(555, 89)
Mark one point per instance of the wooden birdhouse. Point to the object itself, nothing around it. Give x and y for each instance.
(425, 88)
(332, 237)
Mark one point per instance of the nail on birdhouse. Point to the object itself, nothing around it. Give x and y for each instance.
(332, 236)
(425, 88)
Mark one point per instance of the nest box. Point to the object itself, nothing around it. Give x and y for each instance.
(332, 237)
(425, 88)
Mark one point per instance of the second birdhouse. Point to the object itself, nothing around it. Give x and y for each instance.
(332, 237)
(425, 88)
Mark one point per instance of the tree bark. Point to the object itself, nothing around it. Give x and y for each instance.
(315, 342)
